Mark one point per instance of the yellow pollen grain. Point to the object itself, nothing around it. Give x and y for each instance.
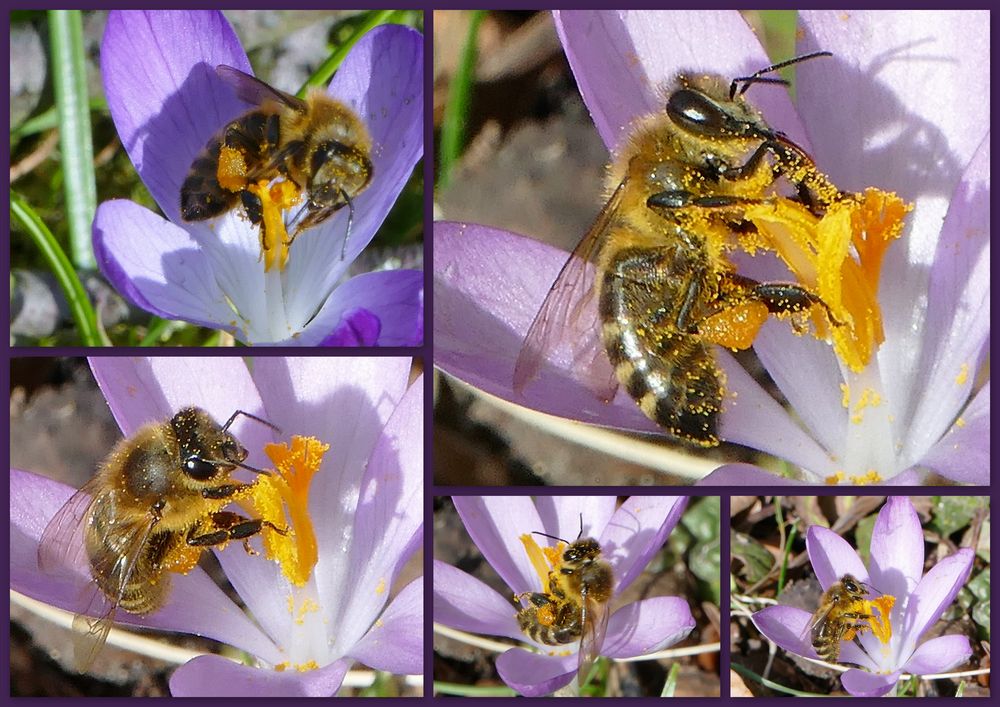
(835, 478)
(380, 589)
(960, 422)
(963, 375)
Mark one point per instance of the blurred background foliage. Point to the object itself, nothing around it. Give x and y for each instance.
(768, 562)
(57, 297)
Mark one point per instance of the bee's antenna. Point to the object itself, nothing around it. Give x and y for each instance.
(581, 527)
(350, 220)
(261, 420)
(553, 537)
(756, 77)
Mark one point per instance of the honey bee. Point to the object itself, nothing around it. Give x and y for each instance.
(319, 144)
(842, 615)
(576, 605)
(655, 257)
(152, 507)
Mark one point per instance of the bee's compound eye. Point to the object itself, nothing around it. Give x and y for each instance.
(697, 113)
(198, 468)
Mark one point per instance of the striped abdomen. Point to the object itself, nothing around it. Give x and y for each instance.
(552, 624)
(671, 373)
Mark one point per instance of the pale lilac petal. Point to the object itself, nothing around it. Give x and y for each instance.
(343, 402)
(215, 676)
(963, 454)
(832, 557)
(897, 548)
(495, 524)
(166, 106)
(647, 626)
(638, 531)
(388, 519)
(195, 603)
(382, 80)
(787, 627)
(561, 516)
(157, 265)
(463, 602)
(864, 684)
(936, 591)
(939, 655)
(643, 51)
(915, 133)
(744, 475)
(958, 314)
(394, 297)
(395, 643)
(534, 675)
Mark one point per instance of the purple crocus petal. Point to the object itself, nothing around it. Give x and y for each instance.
(395, 297)
(166, 106)
(561, 516)
(963, 454)
(936, 591)
(464, 602)
(832, 557)
(897, 548)
(534, 674)
(958, 315)
(861, 683)
(395, 643)
(215, 676)
(388, 521)
(638, 531)
(744, 475)
(194, 605)
(343, 402)
(939, 655)
(646, 50)
(787, 627)
(647, 626)
(898, 108)
(381, 78)
(157, 265)
(495, 524)
(357, 327)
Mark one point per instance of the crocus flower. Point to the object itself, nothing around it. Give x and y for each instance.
(897, 569)
(629, 537)
(167, 101)
(364, 506)
(922, 402)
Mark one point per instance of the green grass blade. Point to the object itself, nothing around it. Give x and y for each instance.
(325, 72)
(49, 119)
(747, 673)
(456, 108)
(75, 140)
(671, 684)
(450, 688)
(79, 304)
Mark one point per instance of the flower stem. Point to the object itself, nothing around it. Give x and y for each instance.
(456, 108)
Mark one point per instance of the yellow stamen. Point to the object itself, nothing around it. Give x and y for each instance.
(542, 558)
(880, 622)
(839, 257)
(274, 200)
(287, 490)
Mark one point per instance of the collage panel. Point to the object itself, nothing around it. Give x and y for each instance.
(302, 477)
(193, 178)
(576, 596)
(861, 596)
(749, 237)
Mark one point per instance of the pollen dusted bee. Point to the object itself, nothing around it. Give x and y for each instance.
(576, 605)
(152, 508)
(655, 257)
(842, 615)
(318, 144)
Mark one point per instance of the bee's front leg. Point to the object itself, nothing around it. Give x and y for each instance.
(226, 526)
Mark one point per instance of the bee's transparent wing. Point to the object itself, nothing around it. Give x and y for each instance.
(594, 617)
(252, 90)
(568, 317)
(62, 552)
